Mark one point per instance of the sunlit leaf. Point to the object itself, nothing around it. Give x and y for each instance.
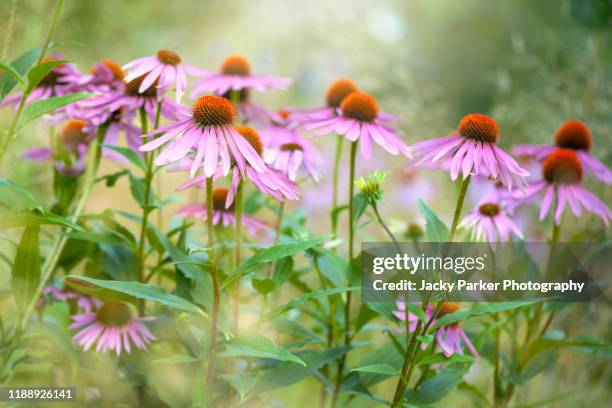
(9, 69)
(38, 72)
(21, 64)
(258, 346)
(12, 219)
(436, 229)
(38, 108)
(384, 369)
(26, 267)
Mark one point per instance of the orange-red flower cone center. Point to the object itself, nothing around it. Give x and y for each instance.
(72, 133)
(291, 147)
(115, 68)
(236, 65)
(339, 90)
(489, 209)
(479, 127)
(360, 106)
(447, 308)
(219, 197)
(168, 57)
(252, 137)
(562, 166)
(213, 110)
(575, 135)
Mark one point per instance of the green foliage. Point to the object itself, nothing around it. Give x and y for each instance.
(258, 346)
(36, 109)
(21, 65)
(26, 267)
(436, 229)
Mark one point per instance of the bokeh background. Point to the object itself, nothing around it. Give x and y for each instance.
(529, 64)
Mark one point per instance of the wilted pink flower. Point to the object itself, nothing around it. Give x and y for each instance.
(562, 176)
(162, 71)
(112, 326)
(287, 151)
(448, 337)
(472, 150)
(574, 135)
(236, 75)
(63, 79)
(210, 133)
(360, 120)
(222, 214)
(489, 222)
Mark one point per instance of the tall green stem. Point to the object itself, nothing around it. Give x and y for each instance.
(238, 204)
(24, 96)
(385, 227)
(334, 216)
(215, 280)
(462, 192)
(347, 305)
(146, 210)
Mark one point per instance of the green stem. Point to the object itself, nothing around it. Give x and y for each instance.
(277, 232)
(215, 280)
(24, 96)
(60, 242)
(9, 30)
(145, 209)
(385, 227)
(338, 155)
(238, 204)
(462, 192)
(347, 305)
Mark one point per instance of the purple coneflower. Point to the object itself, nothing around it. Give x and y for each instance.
(104, 76)
(448, 337)
(472, 150)
(236, 75)
(360, 120)
(113, 326)
(222, 214)
(489, 222)
(574, 135)
(287, 151)
(269, 181)
(562, 177)
(248, 111)
(63, 79)
(65, 294)
(209, 131)
(163, 70)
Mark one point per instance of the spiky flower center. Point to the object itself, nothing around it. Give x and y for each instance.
(291, 147)
(489, 209)
(252, 137)
(339, 90)
(53, 76)
(371, 186)
(562, 166)
(479, 127)
(575, 135)
(283, 114)
(115, 68)
(414, 231)
(236, 65)
(219, 197)
(114, 313)
(211, 110)
(360, 106)
(72, 133)
(168, 57)
(447, 308)
(131, 88)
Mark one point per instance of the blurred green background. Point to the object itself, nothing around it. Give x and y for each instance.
(529, 64)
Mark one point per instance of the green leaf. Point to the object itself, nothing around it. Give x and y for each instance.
(435, 388)
(436, 229)
(264, 286)
(307, 298)
(9, 69)
(258, 346)
(138, 189)
(177, 359)
(41, 107)
(21, 64)
(104, 238)
(132, 289)
(15, 197)
(10, 219)
(130, 155)
(243, 383)
(359, 206)
(478, 309)
(273, 253)
(38, 72)
(385, 369)
(26, 267)
(440, 358)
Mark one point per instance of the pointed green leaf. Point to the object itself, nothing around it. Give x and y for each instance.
(177, 359)
(436, 229)
(38, 72)
(26, 267)
(258, 346)
(21, 64)
(37, 109)
(385, 369)
(129, 154)
(13, 219)
(9, 69)
(132, 289)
